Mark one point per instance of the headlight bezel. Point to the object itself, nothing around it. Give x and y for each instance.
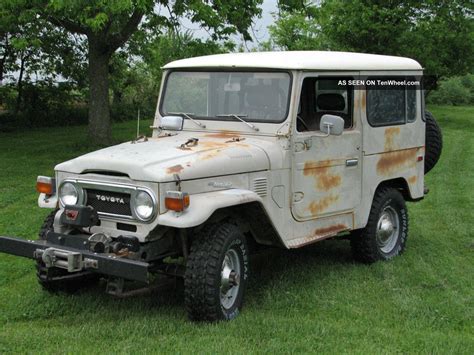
(134, 206)
(76, 188)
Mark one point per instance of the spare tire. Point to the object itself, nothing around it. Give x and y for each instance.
(433, 142)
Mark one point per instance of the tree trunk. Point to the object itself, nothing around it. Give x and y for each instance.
(2, 68)
(4, 58)
(100, 131)
(20, 85)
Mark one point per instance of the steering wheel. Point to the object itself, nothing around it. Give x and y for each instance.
(302, 122)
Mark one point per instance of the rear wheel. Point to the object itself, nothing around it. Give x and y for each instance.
(216, 274)
(58, 280)
(386, 232)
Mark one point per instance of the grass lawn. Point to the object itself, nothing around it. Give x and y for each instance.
(312, 300)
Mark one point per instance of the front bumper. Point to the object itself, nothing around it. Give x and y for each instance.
(71, 253)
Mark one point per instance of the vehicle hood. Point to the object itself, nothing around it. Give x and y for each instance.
(159, 159)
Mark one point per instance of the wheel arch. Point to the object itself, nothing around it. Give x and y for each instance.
(400, 184)
(243, 207)
(252, 219)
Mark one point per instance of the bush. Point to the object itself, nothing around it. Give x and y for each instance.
(126, 111)
(43, 104)
(454, 91)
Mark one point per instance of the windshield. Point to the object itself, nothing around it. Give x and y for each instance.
(259, 96)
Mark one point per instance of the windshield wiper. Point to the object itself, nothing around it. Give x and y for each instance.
(239, 117)
(188, 116)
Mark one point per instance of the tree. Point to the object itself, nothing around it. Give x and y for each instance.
(108, 25)
(296, 30)
(30, 45)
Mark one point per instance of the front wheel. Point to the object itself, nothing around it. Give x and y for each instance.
(386, 232)
(216, 273)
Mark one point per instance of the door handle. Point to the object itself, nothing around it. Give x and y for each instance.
(352, 162)
(308, 143)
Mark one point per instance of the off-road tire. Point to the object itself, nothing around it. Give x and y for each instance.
(364, 243)
(202, 280)
(45, 276)
(433, 142)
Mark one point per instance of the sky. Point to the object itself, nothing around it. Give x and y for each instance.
(260, 31)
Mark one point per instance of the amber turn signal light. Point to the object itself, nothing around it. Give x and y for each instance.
(45, 185)
(177, 201)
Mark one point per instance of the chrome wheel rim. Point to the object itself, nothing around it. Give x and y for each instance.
(230, 279)
(388, 228)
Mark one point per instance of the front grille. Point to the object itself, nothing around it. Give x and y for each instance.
(109, 202)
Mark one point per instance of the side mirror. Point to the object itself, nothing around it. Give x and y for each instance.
(172, 123)
(331, 125)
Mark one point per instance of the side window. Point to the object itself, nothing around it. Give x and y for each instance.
(391, 105)
(385, 106)
(324, 95)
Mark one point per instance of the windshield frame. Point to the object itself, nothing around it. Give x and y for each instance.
(229, 70)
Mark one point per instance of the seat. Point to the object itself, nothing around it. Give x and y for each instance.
(332, 104)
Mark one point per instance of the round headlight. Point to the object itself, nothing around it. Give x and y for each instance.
(68, 194)
(144, 205)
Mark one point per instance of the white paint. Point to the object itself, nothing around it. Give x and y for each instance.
(302, 60)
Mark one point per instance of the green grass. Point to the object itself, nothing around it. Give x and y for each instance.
(311, 300)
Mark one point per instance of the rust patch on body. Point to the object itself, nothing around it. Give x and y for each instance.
(209, 155)
(175, 169)
(412, 179)
(320, 171)
(223, 134)
(391, 133)
(211, 149)
(390, 162)
(319, 164)
(316, 207)
(322, 233)
(363, 100)
(212, 145)
(331, 229)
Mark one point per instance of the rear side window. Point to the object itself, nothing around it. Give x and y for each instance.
(391, 105)
(411, 105)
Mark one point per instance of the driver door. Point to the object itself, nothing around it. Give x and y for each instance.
(326, 171)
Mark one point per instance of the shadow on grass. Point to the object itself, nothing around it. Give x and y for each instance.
(272, 269)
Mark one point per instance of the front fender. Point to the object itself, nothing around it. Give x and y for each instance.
(203, 205)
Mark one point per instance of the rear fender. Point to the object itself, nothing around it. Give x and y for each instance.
(203, 205)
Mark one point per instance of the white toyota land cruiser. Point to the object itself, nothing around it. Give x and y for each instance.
(275, 148)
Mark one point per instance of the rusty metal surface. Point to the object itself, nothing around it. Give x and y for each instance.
(323, 228)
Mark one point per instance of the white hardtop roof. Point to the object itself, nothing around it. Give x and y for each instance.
(299, 60)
